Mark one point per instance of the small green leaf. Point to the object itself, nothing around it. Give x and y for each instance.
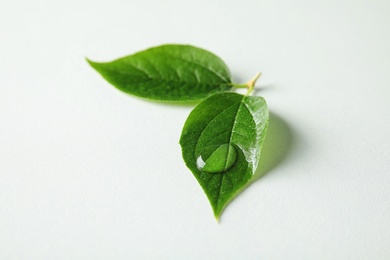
(221, 143)
(168, 72)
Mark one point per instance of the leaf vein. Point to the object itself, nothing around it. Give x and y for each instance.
(230, 140)
(204, 67)
(211, 120)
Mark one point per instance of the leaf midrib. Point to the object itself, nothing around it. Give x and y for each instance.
(230, 140)
(197, 141)
(202, 66)
(149, 78)
(169, 56)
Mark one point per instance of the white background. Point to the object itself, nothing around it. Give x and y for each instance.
(88, 172)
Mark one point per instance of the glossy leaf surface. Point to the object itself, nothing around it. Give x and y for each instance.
(224, 133)
(168, 72)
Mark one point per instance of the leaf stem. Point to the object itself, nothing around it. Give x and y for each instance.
(250, 85)
(240, 85)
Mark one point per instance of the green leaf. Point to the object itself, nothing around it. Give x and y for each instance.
(168, 72)
(221, 143)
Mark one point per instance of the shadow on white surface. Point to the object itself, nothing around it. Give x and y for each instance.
(278, 144)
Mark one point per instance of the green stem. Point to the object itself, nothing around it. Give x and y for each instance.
(239, 85)
(250, 85)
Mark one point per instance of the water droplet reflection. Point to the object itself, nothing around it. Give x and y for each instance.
(217, 158)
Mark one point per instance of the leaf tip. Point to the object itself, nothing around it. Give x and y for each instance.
(94, 64)
(217, 213)
(217, 217)
(89, 61)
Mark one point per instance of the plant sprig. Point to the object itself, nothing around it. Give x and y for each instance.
(222, 137)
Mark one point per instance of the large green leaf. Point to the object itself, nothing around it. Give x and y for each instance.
(221, 143)
(168, 72)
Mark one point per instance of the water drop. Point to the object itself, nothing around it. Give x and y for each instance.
(217, 158)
